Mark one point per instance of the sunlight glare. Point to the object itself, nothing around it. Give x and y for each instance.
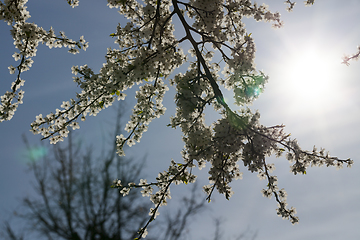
(311, 79)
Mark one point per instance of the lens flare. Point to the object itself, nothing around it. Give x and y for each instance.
(253, 92)
(34, 154)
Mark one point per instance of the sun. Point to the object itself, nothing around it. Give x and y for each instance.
(310, 78)
(309, 75)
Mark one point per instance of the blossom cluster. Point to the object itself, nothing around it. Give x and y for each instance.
(177, 173)
(292, 4)
(355, 56)
(142, 59)
(27, 37)
(73, 3)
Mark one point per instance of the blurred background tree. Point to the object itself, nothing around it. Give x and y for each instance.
(75, 200)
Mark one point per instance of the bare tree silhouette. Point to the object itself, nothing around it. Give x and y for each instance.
(76, 201)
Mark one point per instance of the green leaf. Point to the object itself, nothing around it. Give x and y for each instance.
(117, 92)
(101, 104)
(235, 120)
(184, 179)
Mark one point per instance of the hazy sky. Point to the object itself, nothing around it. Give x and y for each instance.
(309, 91)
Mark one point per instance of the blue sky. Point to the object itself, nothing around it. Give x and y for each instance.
(319, 107)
